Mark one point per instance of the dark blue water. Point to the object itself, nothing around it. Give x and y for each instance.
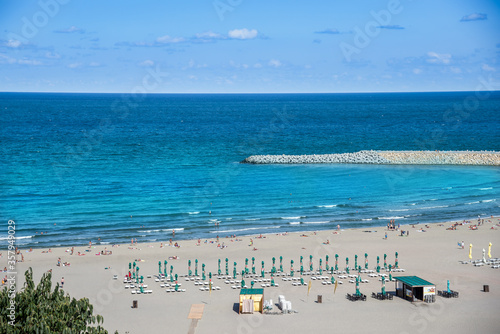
(84, 166)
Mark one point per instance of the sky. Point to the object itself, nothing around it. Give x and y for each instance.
(249, 46)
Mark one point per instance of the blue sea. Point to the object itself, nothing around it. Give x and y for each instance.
(79, 167)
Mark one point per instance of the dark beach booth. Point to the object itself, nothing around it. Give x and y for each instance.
(414, 288)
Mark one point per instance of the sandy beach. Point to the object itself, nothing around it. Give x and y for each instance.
(433, 254)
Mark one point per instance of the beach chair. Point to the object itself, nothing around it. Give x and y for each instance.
(133, 292)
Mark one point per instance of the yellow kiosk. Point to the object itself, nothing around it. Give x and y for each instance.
(251, 300)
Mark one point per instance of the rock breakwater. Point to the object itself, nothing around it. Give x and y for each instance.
(480, 158)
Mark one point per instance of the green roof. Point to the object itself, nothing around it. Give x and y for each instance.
(413, 280)
(252, 292)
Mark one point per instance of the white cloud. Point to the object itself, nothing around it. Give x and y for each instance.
(474, 17)
(209, 35)
(13, 43)
(167, 39)
(274, 63)
(455, 70)
(70, 30)
(488, 68)
(28, 62)
(417, 71)
(437, 58)
(52, 55)
(243, 33)
(147, 63)
(75, 65)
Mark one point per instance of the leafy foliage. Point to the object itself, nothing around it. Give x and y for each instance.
(40, 310)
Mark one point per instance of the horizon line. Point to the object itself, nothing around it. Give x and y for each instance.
(249, 93)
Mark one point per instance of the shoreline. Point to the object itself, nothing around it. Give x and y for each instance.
(466, 158)
(433, 255)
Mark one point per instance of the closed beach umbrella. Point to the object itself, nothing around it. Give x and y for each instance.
(320, 267)
(366, 260)
(218, 271)
(301, 258)
(189, 268)
(242, 283)
(203, 277)
(142, 279)
(383, 285)
(470, 251)
(281, 263)
(336, 262)
(448, 286)
(137, 274)
(302, 280)
(310, 263)
(301, 269)
(234, 270)
(489, 250)
(252, 283)
(129, 266)
(347, 265)
(196, 267)
(355, 262)
(227, 268)
(396, 264)
(326, 263)
(385, 261)
(358, 279)
(159, 267)
(274, 268)
(165, 268)
(253, 265)
(246, 266)
(291, 268)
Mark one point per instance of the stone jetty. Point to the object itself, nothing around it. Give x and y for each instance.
(479, 158)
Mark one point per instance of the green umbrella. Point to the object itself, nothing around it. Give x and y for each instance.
(176, 285)
(129, 266)
(165, 268)
(234, 271)
(274, 268)
(227, 269)
(171, 276)
(242, 283)
(281, 263)
(203, 271)
(253, 265)
(385, 261)
(159, 267)
(366, 260)
(141, 289)
(137, 274)
(252, 283)
(336, 262)
(378, 260)
(302, 281)
(355, 262)
(210, 275)
(347, 265)
(291, 268)
(327, 267)
(246, 266)
(242, 273)
(358, 279)
(301, 258)
(310, 263)
(396, 265)
(320, 267)
(383, 285)
(218, 271)
(176, 277)
(301, 269)
(333, 280)
(189, 268)
(448, 286)
(272, 281)
(142, 279)
(196, 267)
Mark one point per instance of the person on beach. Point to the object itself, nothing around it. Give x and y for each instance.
(173, 233)
(385, 236)
(62, 282)
(90, 244)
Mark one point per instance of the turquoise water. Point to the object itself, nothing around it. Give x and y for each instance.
(84, 166)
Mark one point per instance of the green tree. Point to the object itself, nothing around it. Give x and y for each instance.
(40, 310)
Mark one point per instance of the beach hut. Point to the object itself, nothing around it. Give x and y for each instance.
(251, 300)
(414, 288)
